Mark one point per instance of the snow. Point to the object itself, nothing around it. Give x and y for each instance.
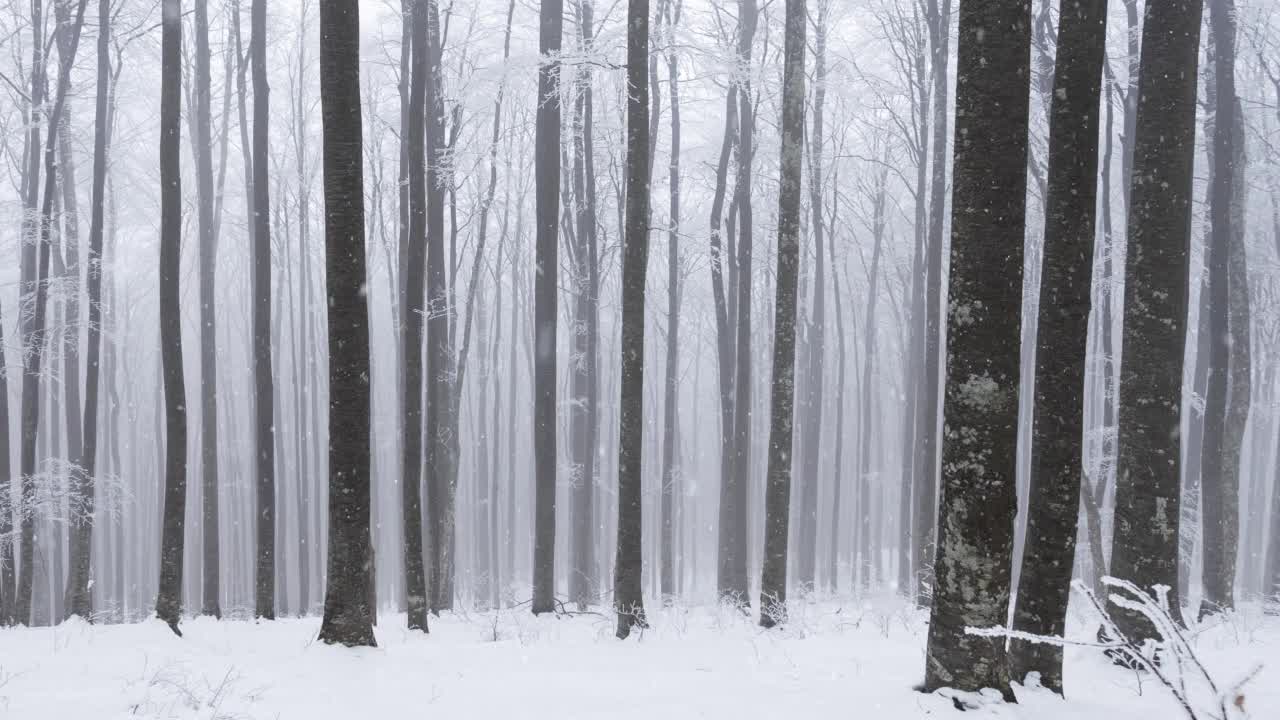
(833, 660)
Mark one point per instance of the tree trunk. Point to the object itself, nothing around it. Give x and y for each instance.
(348, 607)
(34, 331)
(773, 579)
(79, 599)
(925, 489)
(412, 323)
(547, 171)
(976, 513)
(1156, 277)
(169, 599)
(264, 393)
(628, 595)
(737, 587)
(670, 473)
(583, 581)
(866, 513)
(1220, 473)
(1044, 584)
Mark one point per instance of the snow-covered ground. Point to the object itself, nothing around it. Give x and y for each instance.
(834, 660)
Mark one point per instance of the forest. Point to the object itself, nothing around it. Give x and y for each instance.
(639, 358)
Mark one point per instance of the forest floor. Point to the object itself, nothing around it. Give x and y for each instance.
(833, 660)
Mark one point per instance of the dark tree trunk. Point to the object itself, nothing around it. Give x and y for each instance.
(348, 605)
(547, 172)
(34, 330)
(925, 488)
(79, 600)
(737, 586)
(628, 595)
(670, 474)
(976, 513)
(265, 563)
(732, 513)
(1155, 307)
(169, 599)
(208, 327)
(1044, 584)
(583, 581)
(773, 577)
(412, 323)
(1220, 473)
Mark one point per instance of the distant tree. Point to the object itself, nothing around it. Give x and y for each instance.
(79, 599)
(547, 172)
(1156, 278)
(628, 595)
(670, 473)
(925, 488)
(264, 393)
(1044, 584)
(976, 513)
(33, 327)
(173, 535)
(773, 579)
(1220, 473)
(208, 319)
(348, 605)
(412, 321)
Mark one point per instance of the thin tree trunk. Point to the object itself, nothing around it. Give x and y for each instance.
(925, 489)
(670, 474)
(628, 595)
(79, 599)
(547, 171)
(264, 392)
(773, 579)
(1220, 474)
(33, 332)
(169, 599)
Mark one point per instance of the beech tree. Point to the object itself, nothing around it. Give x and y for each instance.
(773, 581)
(1044, 583)
(348, 610)
(976, 511)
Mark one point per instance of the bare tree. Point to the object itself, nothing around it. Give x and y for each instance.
(628, 596)
(773, 580)
(264, 393)
(976, 513)
(79, 599)
(1044, 584)
(547, 170)
(348, 607)
(169, 600)
(1156, 277)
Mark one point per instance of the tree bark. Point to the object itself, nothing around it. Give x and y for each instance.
(1220, 473)
(925, 489)
(1155, 307)
(348, 607)
(976, 513)
(79, 599)
(628, 596)
(670, 473)
(773, 579)
(264, 393)
(1044, 584)
(547, 171)
(169, 599)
